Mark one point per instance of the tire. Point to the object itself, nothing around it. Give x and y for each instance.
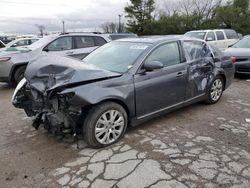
(19, 74)
(109, 131)
(215, 90)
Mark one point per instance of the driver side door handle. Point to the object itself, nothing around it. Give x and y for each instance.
(179, 74)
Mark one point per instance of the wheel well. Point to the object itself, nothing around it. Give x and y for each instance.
(118, 102)
(14, 71)
(87, 108)
(224, 80)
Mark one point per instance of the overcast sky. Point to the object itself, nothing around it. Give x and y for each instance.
(21, 16)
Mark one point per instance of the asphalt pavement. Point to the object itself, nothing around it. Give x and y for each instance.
(197, 146)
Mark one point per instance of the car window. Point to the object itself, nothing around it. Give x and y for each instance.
(220, 35)
(21, 43)
(84, 42)
(99, 41)
(243, 43)
(198, 35)
(210, 36)
(167, 54)
(60, 44)
(116, 56)
(231, 34)
(33, 40)
(196, 49)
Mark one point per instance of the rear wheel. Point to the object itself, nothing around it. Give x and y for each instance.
(215, 90)
(19, 74)
(105, 124)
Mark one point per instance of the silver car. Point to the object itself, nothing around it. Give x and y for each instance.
(241, 53)
(21, 42)
(13, 62)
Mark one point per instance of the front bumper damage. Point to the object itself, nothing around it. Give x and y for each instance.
(52, 110)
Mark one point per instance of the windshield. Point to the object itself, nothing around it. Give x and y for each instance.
(198, 35)
(42, 42)
(116, 56)
(243, 43)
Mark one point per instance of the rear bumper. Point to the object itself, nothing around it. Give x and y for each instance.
(242, 67)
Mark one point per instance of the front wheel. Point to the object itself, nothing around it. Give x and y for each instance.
(215, 90)
(105, 124)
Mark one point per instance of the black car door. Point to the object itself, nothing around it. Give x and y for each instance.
(163, 88)
(199, 69)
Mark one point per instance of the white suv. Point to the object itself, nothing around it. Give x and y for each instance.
(221, 38)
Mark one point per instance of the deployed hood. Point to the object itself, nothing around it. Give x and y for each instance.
(49, 72)
(238, 52)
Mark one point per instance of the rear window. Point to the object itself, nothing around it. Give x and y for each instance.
(231, 34)
(84, 42)
(99, 41)
(220, 35)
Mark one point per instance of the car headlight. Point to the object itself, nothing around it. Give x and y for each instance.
(18, 87)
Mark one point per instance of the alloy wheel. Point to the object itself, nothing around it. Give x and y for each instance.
(216, 90)
(109, 127)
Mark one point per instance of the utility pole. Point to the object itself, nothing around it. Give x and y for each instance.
(119, 29)
(63, 27)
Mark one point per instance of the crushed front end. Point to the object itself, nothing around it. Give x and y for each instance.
(50, 109)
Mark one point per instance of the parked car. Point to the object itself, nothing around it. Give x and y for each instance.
(13, 62)
(241, 52)
(221, 38)
(21, 42)
(2, 45)
(6, 39)
(124, 82)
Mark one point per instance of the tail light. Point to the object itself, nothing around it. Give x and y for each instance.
(4, 59)
(233, 59)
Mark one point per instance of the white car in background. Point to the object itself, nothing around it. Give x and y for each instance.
(21, 42)
(221, 38)
(13, 61)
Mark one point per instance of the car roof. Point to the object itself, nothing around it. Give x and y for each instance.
(156, 39)
(82, 33)
(207, 30)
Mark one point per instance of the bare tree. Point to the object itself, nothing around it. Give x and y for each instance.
(203, 8)
(105, 27)
(112, 27)
(41, 29)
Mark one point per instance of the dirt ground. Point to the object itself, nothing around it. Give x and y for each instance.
(197, 146)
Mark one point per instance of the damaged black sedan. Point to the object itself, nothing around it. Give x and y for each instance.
(125, 82)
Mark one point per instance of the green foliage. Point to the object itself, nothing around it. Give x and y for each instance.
(139, 14)
(234, 15)
(243, 4)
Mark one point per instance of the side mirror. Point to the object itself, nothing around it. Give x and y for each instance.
(209, 39)
(152, 65)
(46, 49)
